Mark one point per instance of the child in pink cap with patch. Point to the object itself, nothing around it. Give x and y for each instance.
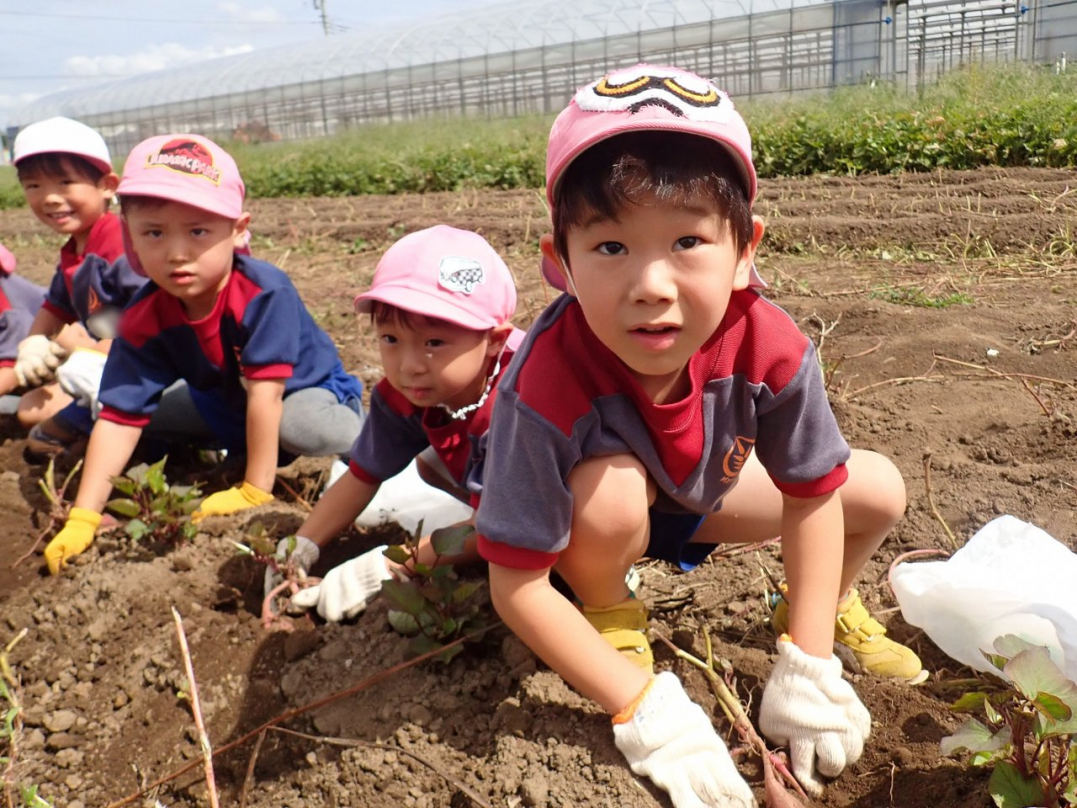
(688, 412)
(19, 302)
(441, 302)
(226, 332)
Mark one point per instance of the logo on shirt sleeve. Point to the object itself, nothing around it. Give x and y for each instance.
(186, 157)
(459, 274)
(736, 457)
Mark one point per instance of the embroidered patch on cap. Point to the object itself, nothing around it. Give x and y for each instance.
(459, 274)
(186, 157)
(683, 94)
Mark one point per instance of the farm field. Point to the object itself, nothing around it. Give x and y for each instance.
(905, 282)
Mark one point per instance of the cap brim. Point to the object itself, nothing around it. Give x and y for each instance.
(211, 203)
(419, 302)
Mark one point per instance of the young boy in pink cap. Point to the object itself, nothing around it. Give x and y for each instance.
(66, 173)
(673, 376)
(262, 376)
(19, 302)
(441, 301)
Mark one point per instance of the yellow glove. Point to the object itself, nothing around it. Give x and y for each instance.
(76, 536)
(236, 498)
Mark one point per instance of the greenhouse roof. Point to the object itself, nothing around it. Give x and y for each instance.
(499, 28)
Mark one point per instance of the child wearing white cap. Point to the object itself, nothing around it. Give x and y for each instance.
(66, 173)
(264, 379)
(688, 411)
(441, 301)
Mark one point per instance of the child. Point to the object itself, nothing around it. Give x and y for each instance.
(671, 369)
(441, 301)
(19, 302)
(66, 173)
(261, 374)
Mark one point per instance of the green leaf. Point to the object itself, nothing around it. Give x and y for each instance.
(450, 540)
(1040, 680)
(1010, 790)
(397, 554)
(137, 474)
(972, 736)
(993, 715)
(136, 529)
(421, 644)
(448, 654)
(422, 570)
(465, 591)
(403, 623)
(155, 479)
(124, 507)
(970, 702)
(1052, 706)
(124, 486)
(1010, 645)
(404, 596)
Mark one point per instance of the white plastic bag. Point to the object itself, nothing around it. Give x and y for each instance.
(1010, 578)
(406, 499)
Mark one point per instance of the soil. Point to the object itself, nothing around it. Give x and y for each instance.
(909, 284)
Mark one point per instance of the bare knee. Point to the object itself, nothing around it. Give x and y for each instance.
(876, 499)
(611, 498)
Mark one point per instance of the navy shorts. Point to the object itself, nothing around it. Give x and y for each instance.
(671, 539)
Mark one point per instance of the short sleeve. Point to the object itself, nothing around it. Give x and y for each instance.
(272, 320)
(134, 379)
(799, 443)
(58, 299)
(391, 437)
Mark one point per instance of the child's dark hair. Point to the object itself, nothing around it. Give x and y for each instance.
(388, 313)
(58, 164)
(130, 202)
(664, 168)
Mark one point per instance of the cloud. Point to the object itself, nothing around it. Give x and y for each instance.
(14, 100)
(158, 57)
(237, 11)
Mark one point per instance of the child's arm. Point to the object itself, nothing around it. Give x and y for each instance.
(661, 732)
(806, 703)
(265, 404)
(111, 446)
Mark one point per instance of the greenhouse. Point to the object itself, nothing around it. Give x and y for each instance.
(528, 56)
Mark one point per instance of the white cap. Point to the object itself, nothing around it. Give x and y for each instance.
(63, 136)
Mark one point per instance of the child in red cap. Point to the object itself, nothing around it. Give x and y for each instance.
(19, 302)
(441, 301)
(262, 377)
(688, 411)
(66, 173)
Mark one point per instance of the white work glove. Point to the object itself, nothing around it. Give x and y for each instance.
(347, 588)
(80, 377)
(37, 360)
(808, 707)
(671, 740)
(304, 556)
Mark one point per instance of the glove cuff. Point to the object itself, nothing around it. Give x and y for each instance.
(92, 518)
(815, 668)
(255, 495)
(629, 710)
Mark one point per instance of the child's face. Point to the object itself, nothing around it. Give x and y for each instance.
(69, 202)
(433, 362)
(654, 285)
(186, 251)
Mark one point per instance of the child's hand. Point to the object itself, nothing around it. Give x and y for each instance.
(810, 708)
(80, 376)
(37, 360)
(237, 498)
(669, 738)
(347, 588)
(304, 556)
(76, 536)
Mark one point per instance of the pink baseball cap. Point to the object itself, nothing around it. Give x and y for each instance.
(7, 261)
(646, 98)
(189, 169)
(445, 273)
(61, 135)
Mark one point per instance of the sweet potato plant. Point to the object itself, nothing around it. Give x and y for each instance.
(1027, 737)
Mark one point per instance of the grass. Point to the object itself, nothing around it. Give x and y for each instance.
(1004, 115)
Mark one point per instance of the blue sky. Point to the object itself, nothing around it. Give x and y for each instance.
(51, 45)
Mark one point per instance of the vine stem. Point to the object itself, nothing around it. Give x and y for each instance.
(196, 709)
